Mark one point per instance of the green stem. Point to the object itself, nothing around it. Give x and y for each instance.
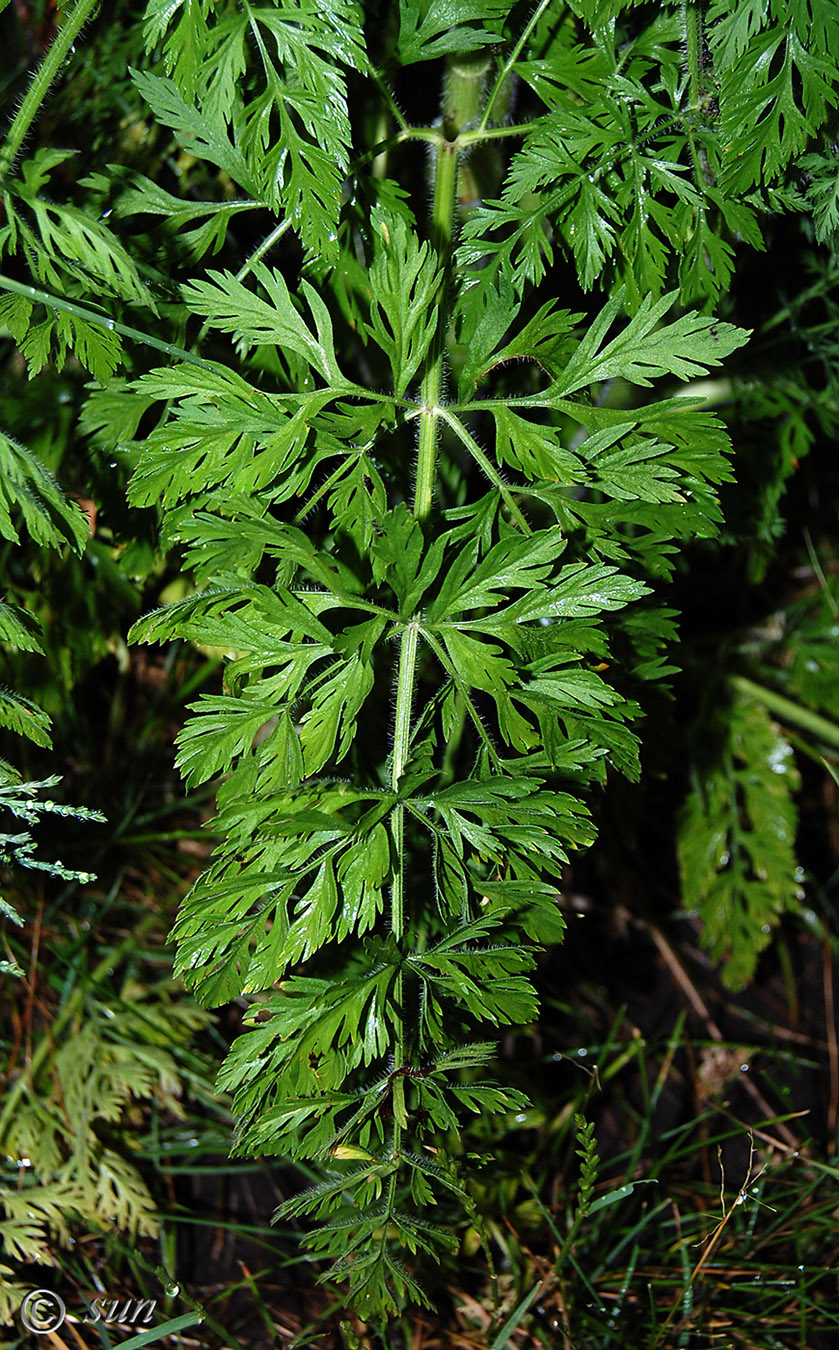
(442, 225)
(479, 135)
(401, 746)
(258, 254)
(506, 70)
(396, 111)
(44, 76)
(101, 320)
(794, 308)
(489, 469)
(429, 135)
(461, 100)
(692, 37)
(462, 92)
(787, 710)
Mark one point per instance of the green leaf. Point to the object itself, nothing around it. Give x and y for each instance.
(512, 564)
(823, 192)
(485, 981)
(306, 93)
(640, 470)
(334, 713)
(479, 664)
(15, 313)
(579, 590)
(405, 279)
(183, 26)
(231, 934)
(29, 489)
(425, 608)
(19, 714)
(399, 556)
(149, 198)
(275, 77)
(432, 28)
(172, 1326)
(203, 133)
(232, 307)
(772, 99)
(614, 1197)
(533, 449)
(221, 730)
(737, 837)
(19, 629)
(644, 350)
(69, 234)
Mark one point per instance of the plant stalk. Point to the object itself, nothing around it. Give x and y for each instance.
(100, 320)
(442, 224)
(788, 711)
(462, 94)
(691, 37)
(44, 76)
(401, 746)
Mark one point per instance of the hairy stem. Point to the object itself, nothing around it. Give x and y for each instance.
(507, 69)
(462, 95)
(42, 79)
(401, 743)
(442, 223)
(691, 37)
(489, 469)
(461, 104)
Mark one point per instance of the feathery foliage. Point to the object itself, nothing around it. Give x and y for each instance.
(428, 513)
